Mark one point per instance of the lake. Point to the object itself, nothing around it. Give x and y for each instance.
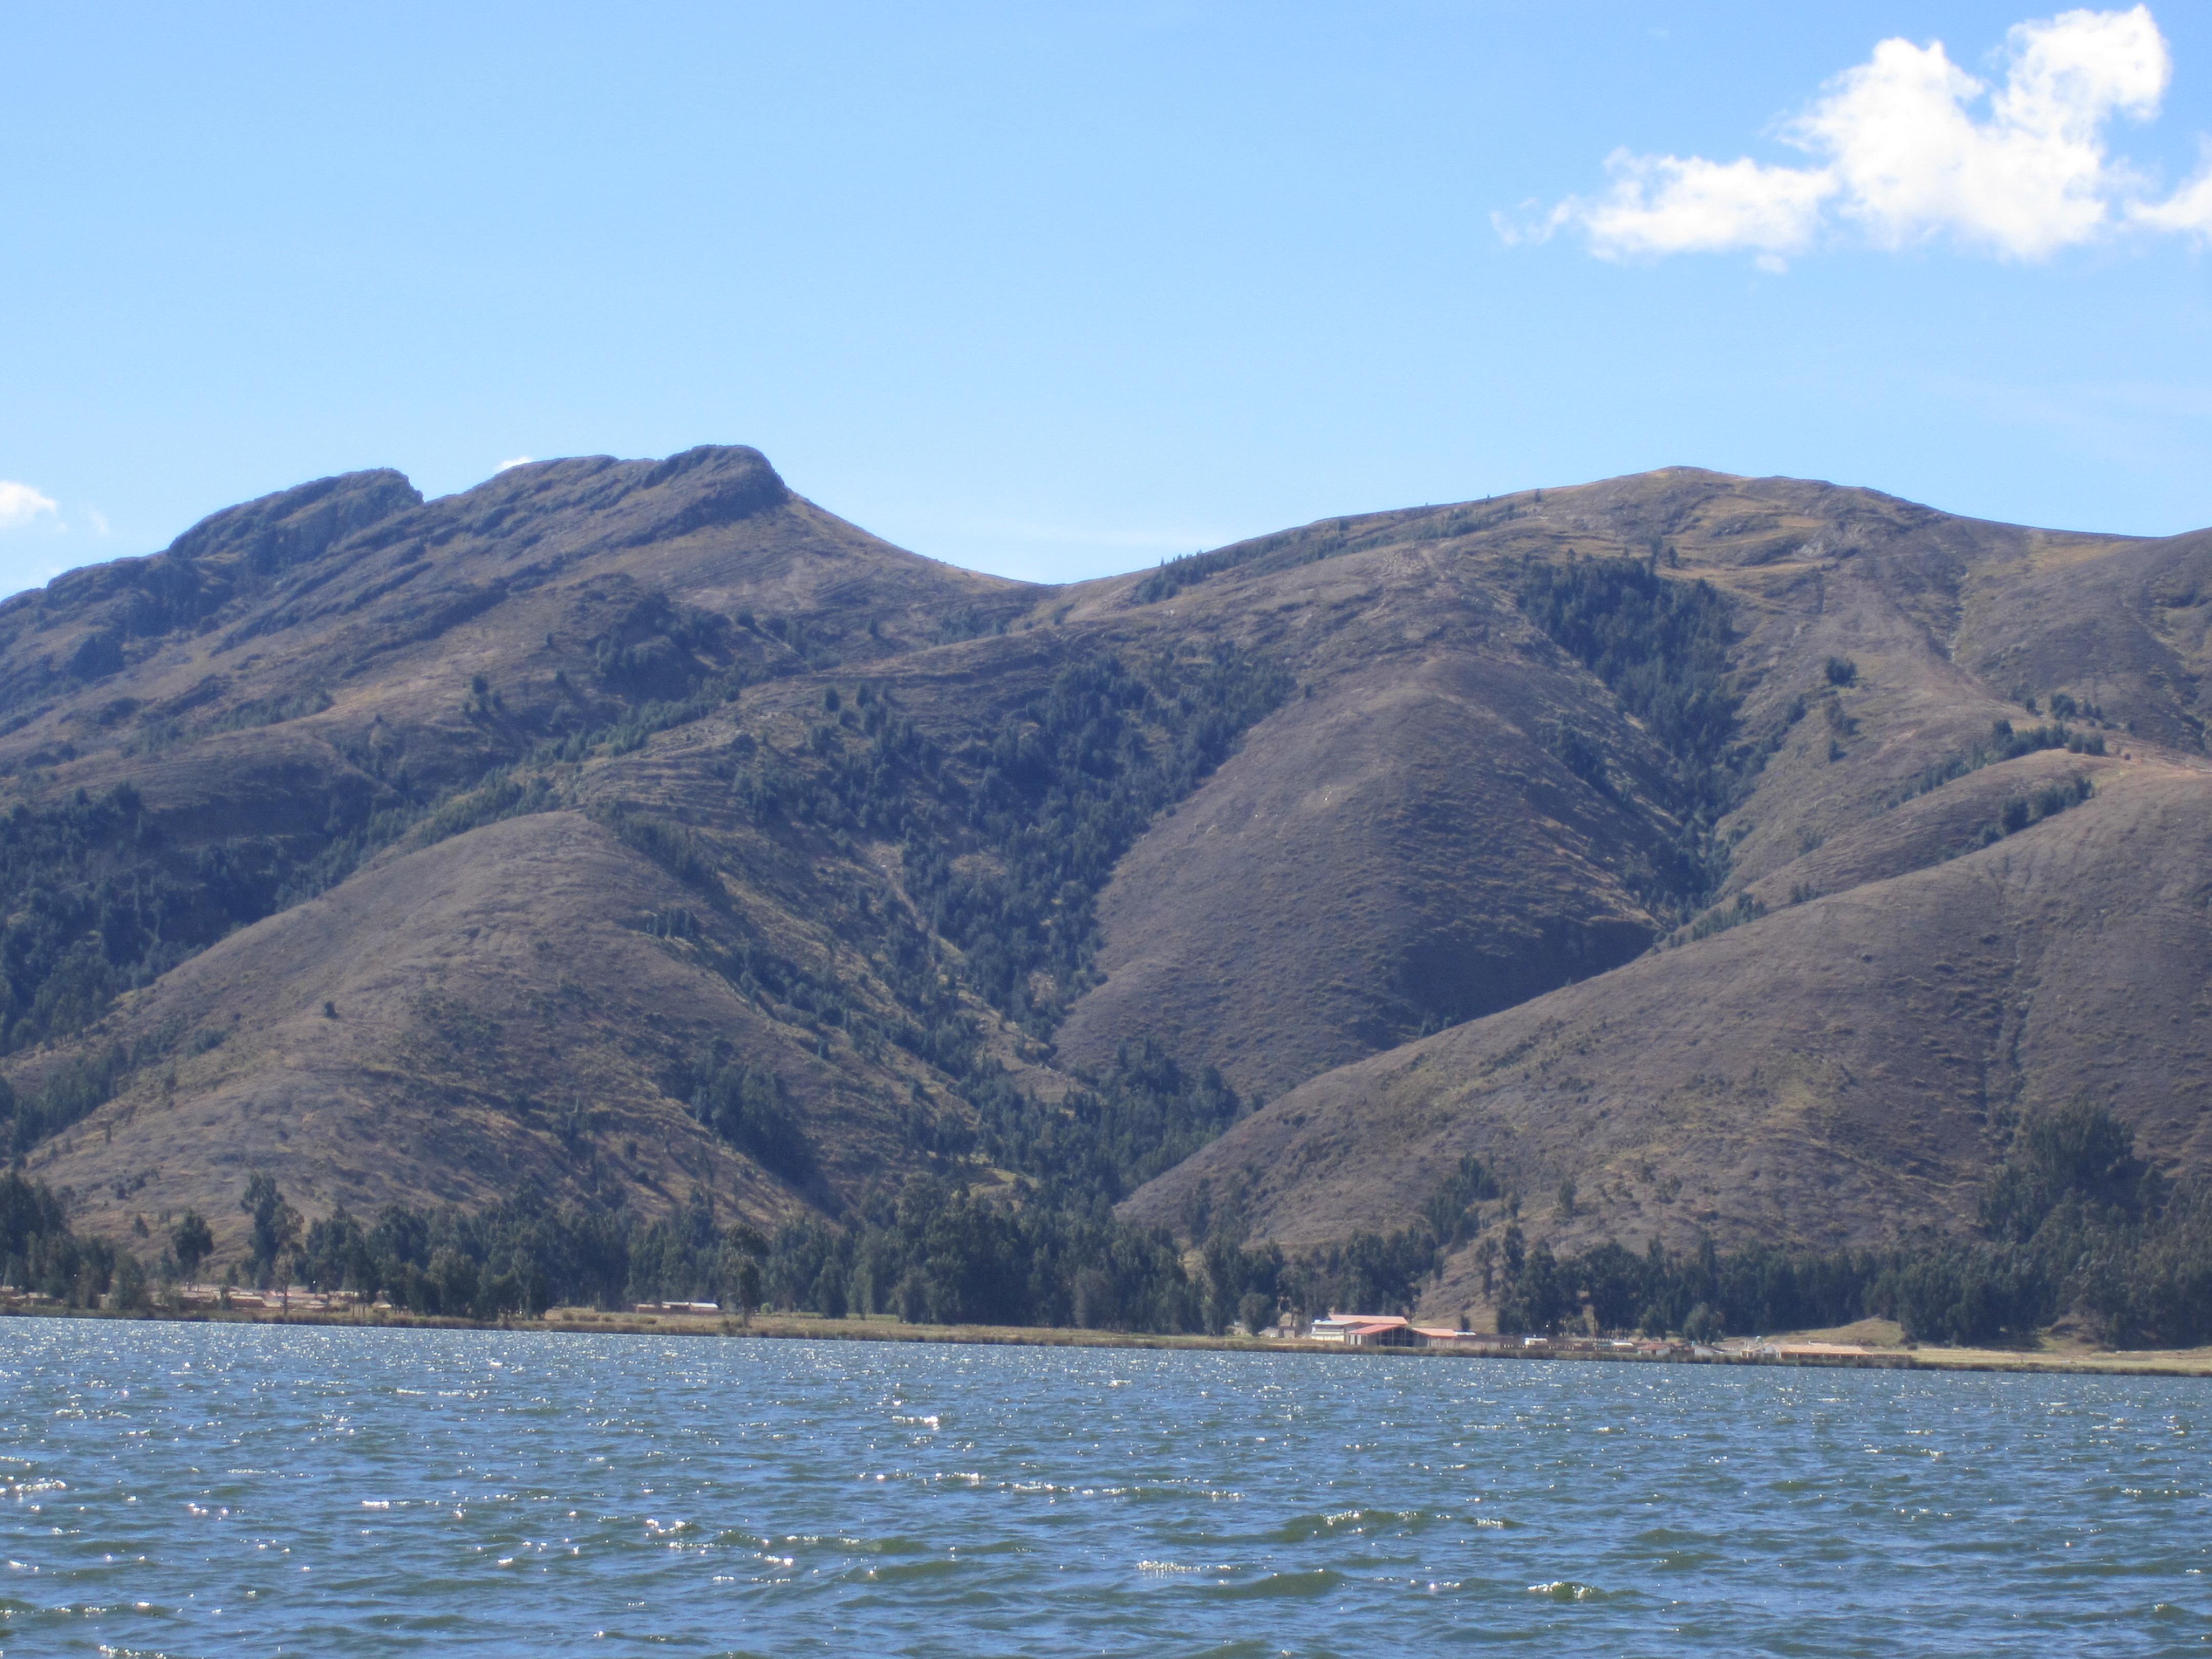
(222, 1490)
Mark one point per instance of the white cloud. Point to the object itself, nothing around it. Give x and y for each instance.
(1670, 204)
(508, 466)
(1907, 147)
(2188, 211)
(21, 506)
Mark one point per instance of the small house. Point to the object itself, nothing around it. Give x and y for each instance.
(1366, 1331)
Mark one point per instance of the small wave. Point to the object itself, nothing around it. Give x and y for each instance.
(1318, 1581)
(901, 1571)
(1567, 1589)
(892, 1546)
(1301, 1527)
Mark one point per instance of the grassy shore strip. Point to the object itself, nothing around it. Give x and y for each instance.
(2049, 1360)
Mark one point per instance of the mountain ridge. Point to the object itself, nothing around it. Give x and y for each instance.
(669, 725)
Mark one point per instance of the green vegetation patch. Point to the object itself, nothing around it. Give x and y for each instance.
(2024, 812)
(2072, 1222)
(2004, 742)
(1051, 801)
(95, 902)
(1112, 1131)
(1660, 644)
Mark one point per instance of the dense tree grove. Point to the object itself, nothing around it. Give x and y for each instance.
(748, 1108)
(71, 1091)
(929, 1252)
(37, 1251)
(1111, 1132)
(2072, 1223)
(1065, 788)
(1056, 795)
(1703, 1292)
(519, 1258)
(1661, 647)
(96, 904)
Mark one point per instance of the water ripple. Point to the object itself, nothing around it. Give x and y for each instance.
(206, 1490)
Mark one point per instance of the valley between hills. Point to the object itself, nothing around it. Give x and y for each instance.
(1693, 857)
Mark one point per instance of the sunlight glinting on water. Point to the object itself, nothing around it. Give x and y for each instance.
(186, 1490)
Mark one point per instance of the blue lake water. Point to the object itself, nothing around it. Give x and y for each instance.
(223, 1489)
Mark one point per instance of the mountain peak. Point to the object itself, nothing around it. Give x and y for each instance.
(294, 525)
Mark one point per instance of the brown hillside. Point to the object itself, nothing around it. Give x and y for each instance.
(1838, 1071)
(1395, 850)
(1849, 1067)
(558, 788)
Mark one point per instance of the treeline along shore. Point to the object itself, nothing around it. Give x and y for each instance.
(2075, 1227)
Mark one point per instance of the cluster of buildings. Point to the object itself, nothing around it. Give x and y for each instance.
(1390, 1331)
(1356, 1330)
(295, 1298)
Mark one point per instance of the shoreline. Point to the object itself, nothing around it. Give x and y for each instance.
(2194, 1363)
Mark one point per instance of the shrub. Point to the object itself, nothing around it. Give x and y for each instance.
(192, 1240)
(750, 1108)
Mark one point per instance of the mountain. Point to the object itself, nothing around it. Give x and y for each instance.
(1751, 854)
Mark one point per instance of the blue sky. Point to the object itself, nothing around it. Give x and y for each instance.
(1061, 290)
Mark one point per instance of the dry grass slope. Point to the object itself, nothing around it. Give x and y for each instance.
(1404, 908)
